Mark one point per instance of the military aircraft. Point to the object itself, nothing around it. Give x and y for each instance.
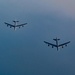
(57, 45)
(15, 25)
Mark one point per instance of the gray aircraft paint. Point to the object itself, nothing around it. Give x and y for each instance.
(23, 52)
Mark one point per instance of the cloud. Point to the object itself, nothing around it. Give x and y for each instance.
(66, 7)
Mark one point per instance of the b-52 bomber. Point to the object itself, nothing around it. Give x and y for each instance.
(57, 45)
(15, 25)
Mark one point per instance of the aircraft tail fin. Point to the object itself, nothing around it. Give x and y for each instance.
(15, 21)
(56, 39)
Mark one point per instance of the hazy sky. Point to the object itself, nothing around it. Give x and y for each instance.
(23, 52)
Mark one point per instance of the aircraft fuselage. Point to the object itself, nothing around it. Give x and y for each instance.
(57, 45)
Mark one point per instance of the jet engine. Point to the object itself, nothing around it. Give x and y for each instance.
(48, 45)
(65, 45)
(7, 25)
(52, 46)
(62, 46)
(22, 25)
(10, 26)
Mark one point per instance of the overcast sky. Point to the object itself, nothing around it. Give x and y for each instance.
(23, 52)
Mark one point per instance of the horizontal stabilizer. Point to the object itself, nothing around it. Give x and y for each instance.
(56, 39)
(15, 21)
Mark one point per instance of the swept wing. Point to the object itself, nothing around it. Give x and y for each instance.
(21, 25)
(64, 44)
(50, 44)
(9, 24)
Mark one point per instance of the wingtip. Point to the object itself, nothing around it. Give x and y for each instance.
(26, 23)
(43, 41)
(4, 22)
